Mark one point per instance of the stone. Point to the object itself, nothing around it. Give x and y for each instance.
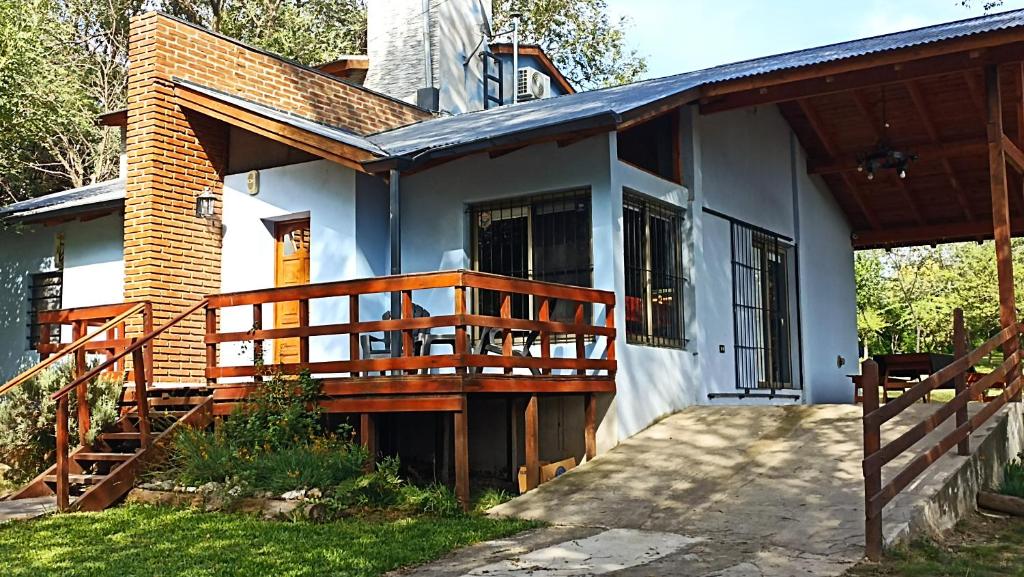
(208, 488)
(314, 494)
(295, 495)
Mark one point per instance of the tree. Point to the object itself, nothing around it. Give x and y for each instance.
(587, 46)
(308, 31)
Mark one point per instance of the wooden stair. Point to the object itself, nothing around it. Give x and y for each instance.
(100, 475)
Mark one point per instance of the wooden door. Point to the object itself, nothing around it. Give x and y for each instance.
(291, 269)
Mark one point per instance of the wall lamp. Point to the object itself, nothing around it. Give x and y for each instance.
(205, 204)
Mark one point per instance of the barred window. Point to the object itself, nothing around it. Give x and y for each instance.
(546, 238)
(654, 271)
(45, 290)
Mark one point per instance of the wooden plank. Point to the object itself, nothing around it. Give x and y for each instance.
(461, 431)
(365, 365)
(581, 348)
(486, 281)
(354, 352)
(532, 442)
(82, 390)
(931, 234)
(541, 325)
(62, 490)
(1014, 155)
(969, 147)
(339, 329)
(94, 313)
(538, 363)
(347, 387)
(141, 397)
(544, 316)
(461, 333)
(383, 404)
(506, 338)
(556, 384)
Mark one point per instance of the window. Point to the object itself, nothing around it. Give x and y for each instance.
(653, 146)
(545, 238)
(654, 272)
(761, 309)
(44, 294)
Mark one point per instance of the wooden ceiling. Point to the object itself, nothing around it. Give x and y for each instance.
(935, 104)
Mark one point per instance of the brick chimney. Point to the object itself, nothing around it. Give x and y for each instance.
(400, 53)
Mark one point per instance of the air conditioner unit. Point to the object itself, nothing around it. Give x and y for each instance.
(532, 84)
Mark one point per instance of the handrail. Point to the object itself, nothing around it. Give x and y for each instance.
(71, 348)
(876, 455)
(137, 343)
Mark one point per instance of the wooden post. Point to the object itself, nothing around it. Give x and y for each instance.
(141, 399)
(590, 424)
(872, 444)
(532, 442)
(609, 322)
(82, 393)
(368, 438)
(147, 327)
(63, 493)
(354, 353)
(257, 344)
(960, 350)
(581, 351)
(1000, 207)
(506, 334)
(461, 339)
(461, 422)
(304, 323)
(544, 315)
(211, 348)
(408, 313)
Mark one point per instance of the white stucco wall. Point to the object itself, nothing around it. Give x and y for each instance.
(748, 168)
(325, 192)
(93, 275)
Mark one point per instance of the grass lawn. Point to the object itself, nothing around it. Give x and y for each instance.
(980, 546)
(143, 541)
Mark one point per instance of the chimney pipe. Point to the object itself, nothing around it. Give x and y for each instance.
(428, 97)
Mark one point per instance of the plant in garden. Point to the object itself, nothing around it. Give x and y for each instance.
(28, 416)
(282, 413)
(1013, 478)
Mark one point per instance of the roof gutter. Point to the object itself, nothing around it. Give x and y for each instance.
(606, 120)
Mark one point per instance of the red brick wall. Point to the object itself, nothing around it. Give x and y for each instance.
(172, 258)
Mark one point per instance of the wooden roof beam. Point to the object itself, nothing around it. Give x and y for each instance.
(921, 106)
(819, 130)
(930, 234)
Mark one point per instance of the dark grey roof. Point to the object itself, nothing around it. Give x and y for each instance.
(109, 192)
(293, 120)
(429, 137)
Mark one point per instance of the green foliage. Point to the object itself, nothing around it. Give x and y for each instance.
(491, 498)
(138, 541)
(283, 413)
(28, 417)
(308, 31)
(906, 297)
(588, 47)
(1013, 478)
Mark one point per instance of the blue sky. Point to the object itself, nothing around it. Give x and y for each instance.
(682, 35)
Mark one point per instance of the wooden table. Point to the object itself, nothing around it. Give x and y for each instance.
(901, 371)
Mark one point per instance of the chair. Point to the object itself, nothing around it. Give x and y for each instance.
(492, 339)
(367, 342)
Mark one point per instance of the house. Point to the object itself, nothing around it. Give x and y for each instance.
(683, 240)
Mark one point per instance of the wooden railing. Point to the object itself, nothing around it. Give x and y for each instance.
(140, 349)
(876, 456)
(467, 328)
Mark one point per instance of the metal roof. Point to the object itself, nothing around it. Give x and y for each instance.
(428, 137)
(108, 192)
(293, 120)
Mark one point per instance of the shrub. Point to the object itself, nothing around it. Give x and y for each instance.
(28, 417)
(1013, 478)
(282, 413)
(491, 498)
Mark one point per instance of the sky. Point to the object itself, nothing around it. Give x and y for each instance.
(683, 35)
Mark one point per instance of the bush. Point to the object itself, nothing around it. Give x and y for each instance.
(1013, 478)
(28, 417)
(282, 413)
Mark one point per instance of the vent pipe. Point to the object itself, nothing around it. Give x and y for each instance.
(429, 96)
(515, 56)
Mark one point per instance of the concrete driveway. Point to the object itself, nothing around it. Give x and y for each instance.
(710, 491)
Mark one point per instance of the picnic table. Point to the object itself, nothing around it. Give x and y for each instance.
(898, 372)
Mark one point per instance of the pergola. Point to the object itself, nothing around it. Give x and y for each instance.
(957, 104)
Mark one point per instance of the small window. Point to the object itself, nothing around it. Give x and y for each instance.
(44, 294)
(653, 146)
(654, 272)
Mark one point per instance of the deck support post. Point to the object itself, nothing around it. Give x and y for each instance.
(1000, 207)
(590, 424)
(368, 438)
(461, 422)
(63, 492)
(532, 442)
(872, 444)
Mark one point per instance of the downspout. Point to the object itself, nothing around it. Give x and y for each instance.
(395, 239)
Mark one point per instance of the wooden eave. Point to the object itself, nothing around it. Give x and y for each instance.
(538, 53)
(935, 105)
(344, 154)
